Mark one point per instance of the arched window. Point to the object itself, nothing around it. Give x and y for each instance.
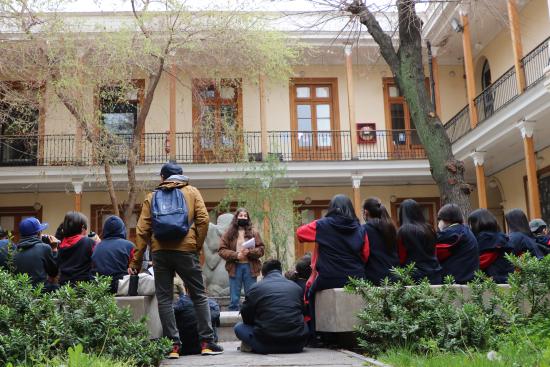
(485, 75)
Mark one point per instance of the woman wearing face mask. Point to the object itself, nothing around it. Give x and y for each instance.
(243, 264)
(456, 245)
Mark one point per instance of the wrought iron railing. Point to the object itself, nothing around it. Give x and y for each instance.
(190, 147)
(502, 92)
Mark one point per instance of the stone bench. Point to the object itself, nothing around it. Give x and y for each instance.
(336, 310)
(141, 306)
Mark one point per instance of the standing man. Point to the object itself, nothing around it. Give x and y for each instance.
(174, 220)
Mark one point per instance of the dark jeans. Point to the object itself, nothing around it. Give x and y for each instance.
(245, 333)
(187, 266)
(243, 276)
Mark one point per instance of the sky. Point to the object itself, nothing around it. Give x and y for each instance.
(270, 5)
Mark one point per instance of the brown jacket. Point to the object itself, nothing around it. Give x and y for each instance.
(228, 252)
(198, 215)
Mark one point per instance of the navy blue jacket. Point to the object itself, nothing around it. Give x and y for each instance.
(457, 252)
(493, 246)
(418, 247)
(380, 259)
(522, 243)
(275, 307)
(36, 259)
(75, 259)
(113, 254)
(343, 247)
(544, 242)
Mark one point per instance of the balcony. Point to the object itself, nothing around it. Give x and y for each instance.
(194, 148)
(501, 93)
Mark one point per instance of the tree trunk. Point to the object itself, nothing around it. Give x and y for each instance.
(408, 69)
(111, 188)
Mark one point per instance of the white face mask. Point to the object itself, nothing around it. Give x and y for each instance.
(441, 225)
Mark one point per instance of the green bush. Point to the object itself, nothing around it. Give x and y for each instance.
(36, 327)
(426, 319)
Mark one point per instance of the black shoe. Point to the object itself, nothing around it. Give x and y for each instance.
(210, 349)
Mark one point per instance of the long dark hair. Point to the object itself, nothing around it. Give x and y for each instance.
(482, 220)
(233, 231)
(412, 218)
(380, 219)
(341, 205)
(450, 213)
(517, 222)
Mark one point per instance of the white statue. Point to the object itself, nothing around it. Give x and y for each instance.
(215, 276)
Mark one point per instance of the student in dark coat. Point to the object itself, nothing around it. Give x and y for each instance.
(493, 245)
(33, 256)
(112, 255)
(416, 243)
(521, 238)
(456, 246)
(382, 236)
(75, 251)
(539, 229)
(273, 320)
(341, 250)
(302, 272)
(4, 248)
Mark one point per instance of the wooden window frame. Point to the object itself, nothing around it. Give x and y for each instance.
(140, 85)
(333, 101)
(300, 248)
(436, 201)
(23, 211)
(96, 224)
(540, 172)
(201, 154)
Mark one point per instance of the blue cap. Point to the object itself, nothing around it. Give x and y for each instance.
(169, 169)
(31, 226)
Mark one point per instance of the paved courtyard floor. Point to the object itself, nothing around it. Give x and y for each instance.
(234, 358)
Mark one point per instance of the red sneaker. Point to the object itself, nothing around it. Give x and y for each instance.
(175, 353)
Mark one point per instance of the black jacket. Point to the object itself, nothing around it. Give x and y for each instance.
(276, 309)
(380, 259)
(458, 253)
(75, 261)
(35, 258)
(493, 246)
(419, 247)
(4, 253)
(522, 243)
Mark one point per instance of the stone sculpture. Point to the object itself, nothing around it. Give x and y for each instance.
(215, 276)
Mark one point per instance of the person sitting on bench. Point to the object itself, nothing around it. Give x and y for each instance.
(273, 314)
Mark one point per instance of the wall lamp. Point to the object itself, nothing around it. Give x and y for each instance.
(456, 26)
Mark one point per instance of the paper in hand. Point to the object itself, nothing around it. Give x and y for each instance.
(250, 244)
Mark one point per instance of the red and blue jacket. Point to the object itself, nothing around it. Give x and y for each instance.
(343, 246)
(493, 246)
(457, 252)
(380, 259)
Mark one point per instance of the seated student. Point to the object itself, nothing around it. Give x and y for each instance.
(416, 243)
(112, 255)
(382, 241)
(33, 256)
(539, 229)
(493, 245)
(273, 319)
(521, 238)
(75, 251)
(301, 272)
(4, 248)
(341, 250)
(456, 245)
(186, 321)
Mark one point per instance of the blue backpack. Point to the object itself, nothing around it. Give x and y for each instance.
(170, 215)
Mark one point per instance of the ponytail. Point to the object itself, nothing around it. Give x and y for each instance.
(381, 220)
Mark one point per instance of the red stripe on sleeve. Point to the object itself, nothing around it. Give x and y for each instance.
(443, 251)
(487, 258)
(132, 251)
(365, 252)
(307, 232)
(402, 251)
